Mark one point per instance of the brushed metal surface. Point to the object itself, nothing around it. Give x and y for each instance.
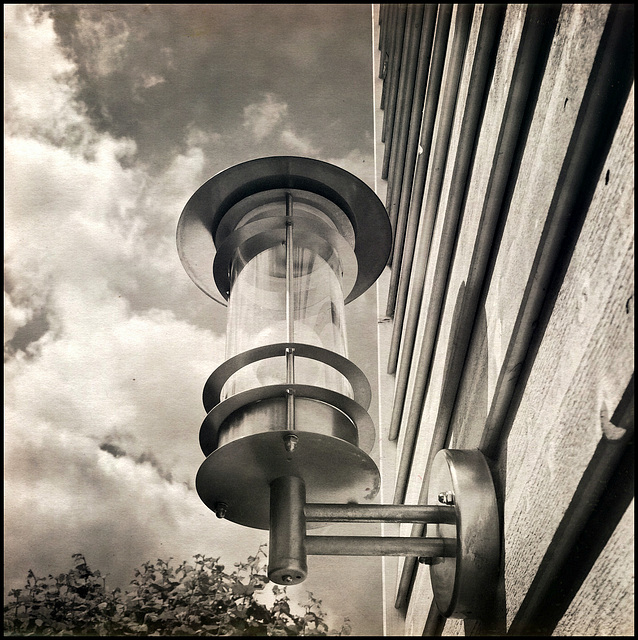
(271, 414)
(210, 429)
(362, 392)
(239, 473)
(265, 203)
(287, 562)
(206, 208)
(464, 586)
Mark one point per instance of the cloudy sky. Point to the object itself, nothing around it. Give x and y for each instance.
(114, 116)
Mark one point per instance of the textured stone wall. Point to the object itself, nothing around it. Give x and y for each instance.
(533, 350)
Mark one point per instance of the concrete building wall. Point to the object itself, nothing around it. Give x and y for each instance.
(505, 157)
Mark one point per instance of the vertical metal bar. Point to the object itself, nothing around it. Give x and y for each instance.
(386, 60)
(486, 48)
(287, 550)
(434, 623)
(383, 24)
(290, 326)
(461, 35)
(395, 65)
(402, 191)
(400, 277)
(533, 50)
(412, 43)
(290, 309)
(405, 22)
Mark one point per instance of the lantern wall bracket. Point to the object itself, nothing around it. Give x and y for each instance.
(462, 548)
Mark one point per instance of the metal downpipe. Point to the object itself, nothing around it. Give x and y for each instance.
(462, 31)
(412, 55)
(395, 63)
(486, 47)
(411, 199)
(403, 174)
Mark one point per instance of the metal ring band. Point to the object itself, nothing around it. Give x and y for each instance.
(262, 234)
(209, 431)
(357, 379)
(302, 200)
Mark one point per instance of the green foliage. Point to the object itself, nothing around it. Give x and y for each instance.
(193, 599)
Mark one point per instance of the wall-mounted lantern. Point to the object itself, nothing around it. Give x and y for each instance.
(286, 242)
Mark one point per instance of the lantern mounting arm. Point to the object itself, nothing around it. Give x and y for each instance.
(426, 548)
(463, 550)
(290, 544)
(400, 513)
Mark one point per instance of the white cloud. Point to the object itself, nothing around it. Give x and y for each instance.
(104, 41)
(38, 94)
(297, 144)
(151, 80)
(14, 317)
(93, 245)
(85, 239)
(261, 118)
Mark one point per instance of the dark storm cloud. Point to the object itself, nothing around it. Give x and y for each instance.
(156, 72)
(146, 457)
(27, 334)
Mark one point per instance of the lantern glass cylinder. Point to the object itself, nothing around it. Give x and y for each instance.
(286, 295)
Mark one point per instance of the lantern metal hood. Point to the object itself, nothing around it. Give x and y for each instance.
(285, 243)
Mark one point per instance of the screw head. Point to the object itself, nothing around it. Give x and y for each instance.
(220, 509)
(286, 578)
(446, 497)
(290, 442)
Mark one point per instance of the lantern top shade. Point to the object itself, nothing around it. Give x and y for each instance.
(197, 230)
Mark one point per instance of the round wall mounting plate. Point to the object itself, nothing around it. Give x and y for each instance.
(203, 213)
(465, 586)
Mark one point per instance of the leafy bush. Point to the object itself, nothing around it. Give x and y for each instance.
(193, 599)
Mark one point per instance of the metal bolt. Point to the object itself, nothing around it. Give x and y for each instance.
(286, 578)
(290, 442)
(446, 497)
(220, 509)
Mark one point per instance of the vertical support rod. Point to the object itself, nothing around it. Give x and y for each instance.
(287, 548)
(290, 320)
(290, 396)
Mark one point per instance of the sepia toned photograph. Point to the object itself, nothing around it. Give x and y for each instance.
(319, 319)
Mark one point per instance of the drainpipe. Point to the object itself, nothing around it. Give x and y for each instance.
(413, 199)
(395, 62)
(401, 177)
(410, 58)
(446, 117)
